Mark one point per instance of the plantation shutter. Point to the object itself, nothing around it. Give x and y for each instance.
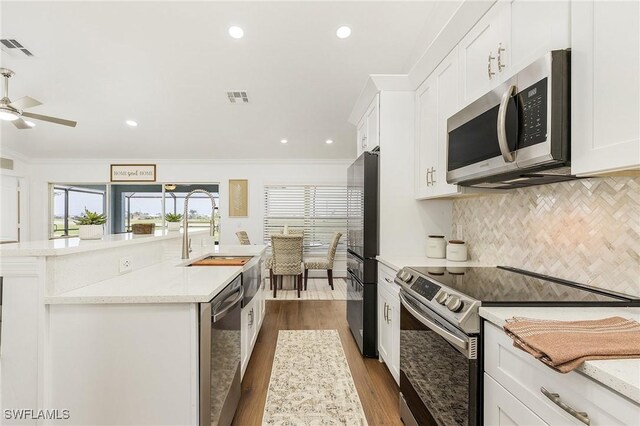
(319, 210)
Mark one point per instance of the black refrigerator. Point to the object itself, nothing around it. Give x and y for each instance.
(362, 249)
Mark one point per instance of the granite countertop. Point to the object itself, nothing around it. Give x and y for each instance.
(398, 261)
(64, 246)
(171, 281)
(623, 375)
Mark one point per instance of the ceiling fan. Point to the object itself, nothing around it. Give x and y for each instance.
(14, 111)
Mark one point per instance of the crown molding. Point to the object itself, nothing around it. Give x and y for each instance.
(276, 161)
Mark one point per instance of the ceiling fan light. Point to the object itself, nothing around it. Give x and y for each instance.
(169, 186)
(8, 115)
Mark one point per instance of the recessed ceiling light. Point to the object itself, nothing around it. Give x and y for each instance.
(283, 141)
(29, 123)
(329, 141)
(236, 32)
(343, 32)
(131, 123)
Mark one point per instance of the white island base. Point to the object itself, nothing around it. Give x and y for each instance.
(110, 347)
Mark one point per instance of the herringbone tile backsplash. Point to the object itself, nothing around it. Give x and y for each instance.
(586, 230)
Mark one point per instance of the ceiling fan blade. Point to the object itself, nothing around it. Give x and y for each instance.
(49, 119)
(25, 102)
(20, 124)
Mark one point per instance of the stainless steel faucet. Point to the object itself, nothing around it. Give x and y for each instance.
(186, 241)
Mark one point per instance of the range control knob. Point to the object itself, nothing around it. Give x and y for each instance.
(405, 276)
(442, 297)
(455, 304)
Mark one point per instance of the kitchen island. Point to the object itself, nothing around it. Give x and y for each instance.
(109, 344)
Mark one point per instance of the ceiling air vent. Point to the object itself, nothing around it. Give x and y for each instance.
(14, 48)
(6, 163)
(238, 97)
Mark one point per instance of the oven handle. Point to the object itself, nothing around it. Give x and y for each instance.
(462, 345)
(502, 125)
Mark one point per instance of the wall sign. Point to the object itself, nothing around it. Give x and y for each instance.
(238, 198)
(133, 173)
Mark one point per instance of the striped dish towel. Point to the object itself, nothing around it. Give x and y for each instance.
(565, 345)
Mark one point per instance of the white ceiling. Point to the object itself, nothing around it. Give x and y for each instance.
(168, 66)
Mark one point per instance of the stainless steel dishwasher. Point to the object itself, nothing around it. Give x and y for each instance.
(220, 355)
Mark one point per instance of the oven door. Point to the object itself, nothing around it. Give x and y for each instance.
(439, 369)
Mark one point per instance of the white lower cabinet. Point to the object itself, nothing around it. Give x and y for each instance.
(389, 321)
(251, 321)
(549, 395)
(503, 409)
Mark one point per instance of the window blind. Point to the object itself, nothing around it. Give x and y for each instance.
(319, 210)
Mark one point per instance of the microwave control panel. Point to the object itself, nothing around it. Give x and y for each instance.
(533, 114)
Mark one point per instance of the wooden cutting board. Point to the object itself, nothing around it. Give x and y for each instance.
(220, 261)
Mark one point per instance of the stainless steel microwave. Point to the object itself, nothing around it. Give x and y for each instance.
(518, 134)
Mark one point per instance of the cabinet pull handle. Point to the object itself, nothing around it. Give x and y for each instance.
(384, 309)
(387, 314)
(433, 174)
(387, 280)
(555, 398)
(428, 180)
(364, 141)
(500, 50)
(489, 72)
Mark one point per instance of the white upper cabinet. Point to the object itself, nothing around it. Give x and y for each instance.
(426, 137)
(605, 87)
(436, 101)
(368, 133)
(537, 27)
(484, 53)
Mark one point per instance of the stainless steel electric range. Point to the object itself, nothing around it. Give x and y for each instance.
(441, 339)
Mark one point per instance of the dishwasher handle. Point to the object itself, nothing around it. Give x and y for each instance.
(222, 313)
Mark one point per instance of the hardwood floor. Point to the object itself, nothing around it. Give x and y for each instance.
(376, 387)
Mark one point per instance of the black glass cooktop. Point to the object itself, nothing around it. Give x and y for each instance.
(510, 286)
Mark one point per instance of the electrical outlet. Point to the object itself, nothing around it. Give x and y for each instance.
(125, 264)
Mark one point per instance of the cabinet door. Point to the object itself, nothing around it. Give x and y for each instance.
(478, 53)
(426, 145)
(373, 121)
(383, 326)
(503, 409)
(537, 28)
(361, 136)
(605, 82)
(447, 78)
(394, 340)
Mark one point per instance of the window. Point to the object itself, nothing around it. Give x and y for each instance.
(70, 201)
(319, 210)
(149, 202)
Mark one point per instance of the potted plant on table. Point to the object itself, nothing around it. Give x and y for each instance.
(90, 225)
(173, 221)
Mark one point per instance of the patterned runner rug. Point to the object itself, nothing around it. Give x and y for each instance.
(317, 289)
(311, 383)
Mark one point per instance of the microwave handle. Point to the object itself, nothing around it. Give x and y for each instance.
(502, 125)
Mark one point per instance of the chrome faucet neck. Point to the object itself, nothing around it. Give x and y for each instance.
(185, 218)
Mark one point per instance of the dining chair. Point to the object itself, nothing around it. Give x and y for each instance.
(323, 262)
(287, 259)
(243, 238)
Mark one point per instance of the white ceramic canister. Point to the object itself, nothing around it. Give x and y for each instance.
(436, 247)
(457, 251)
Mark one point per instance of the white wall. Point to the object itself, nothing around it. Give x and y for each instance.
(258, 173)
